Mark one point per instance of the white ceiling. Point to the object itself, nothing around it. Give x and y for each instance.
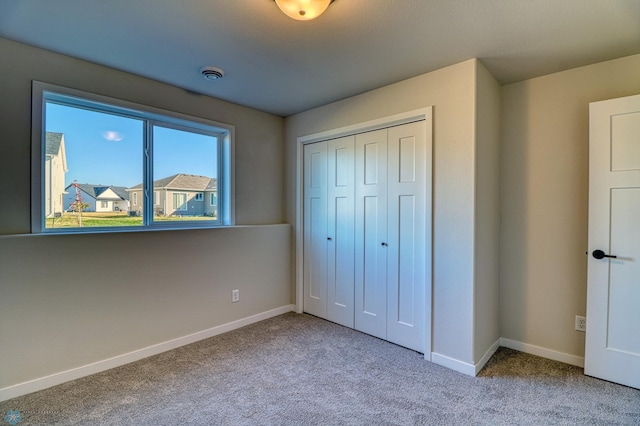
(276, 64)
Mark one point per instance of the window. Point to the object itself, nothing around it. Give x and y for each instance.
(87, 146)
(213, 203)
(180, 202)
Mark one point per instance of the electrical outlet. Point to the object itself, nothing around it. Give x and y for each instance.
(235, 296)
(581, 323)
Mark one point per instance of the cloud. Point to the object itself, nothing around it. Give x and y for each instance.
(112, 136)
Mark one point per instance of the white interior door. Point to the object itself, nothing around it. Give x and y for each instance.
(371, 233)
(340, 232)
(406, 183)
(315, 229)
(613, 291)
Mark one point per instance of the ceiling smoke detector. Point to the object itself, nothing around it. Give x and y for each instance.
(212, 73)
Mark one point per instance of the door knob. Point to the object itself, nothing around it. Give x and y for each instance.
(329, 239)
(599, 254)
(384, 244)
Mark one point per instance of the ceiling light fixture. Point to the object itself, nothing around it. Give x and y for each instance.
(212, 73)
(303, 10)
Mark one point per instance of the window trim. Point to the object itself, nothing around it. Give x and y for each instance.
(43, 92)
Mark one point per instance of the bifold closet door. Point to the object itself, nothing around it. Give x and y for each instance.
(329, 230)
(371, 233)
(406, 235)
(340, 232)
(390, 234)
(315, 229)
(365, 239)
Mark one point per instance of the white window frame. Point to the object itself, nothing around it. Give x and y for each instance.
(211, 196)
(43, 92)
(198, 197)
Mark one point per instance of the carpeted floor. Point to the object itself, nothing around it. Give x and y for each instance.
(301, 370)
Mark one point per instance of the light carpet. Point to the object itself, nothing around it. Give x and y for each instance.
(301, 370)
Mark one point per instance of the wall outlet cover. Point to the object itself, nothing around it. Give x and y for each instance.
(581, 323)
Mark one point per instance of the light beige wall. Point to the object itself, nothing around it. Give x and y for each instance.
(58, 308)
(544, 193)
(65, 305)
(487, 207)
(451, 92)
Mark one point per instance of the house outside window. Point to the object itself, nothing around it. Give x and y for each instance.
(55, 170)
(187, 158)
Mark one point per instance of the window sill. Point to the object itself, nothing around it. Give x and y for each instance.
(130, 230)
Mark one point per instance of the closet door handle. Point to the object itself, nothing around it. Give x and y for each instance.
(385, 244)
(599, 254)
(329, 239)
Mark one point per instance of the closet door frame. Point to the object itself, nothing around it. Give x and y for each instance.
(425, 115)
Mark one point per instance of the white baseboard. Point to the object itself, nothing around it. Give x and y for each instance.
(464, 367)
(487, 356)
(106, 364)
(453, 364)
(543, 352)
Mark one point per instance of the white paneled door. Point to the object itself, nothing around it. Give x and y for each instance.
(390, 234)
(315, 229)
(406, 235)
(329, 230)
(371, 233)
(613, 290)
(340, 232)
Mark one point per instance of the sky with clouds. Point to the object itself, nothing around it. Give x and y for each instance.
(107, 149)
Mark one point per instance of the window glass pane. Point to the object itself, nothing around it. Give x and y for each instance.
(185, 174)
(91, 160)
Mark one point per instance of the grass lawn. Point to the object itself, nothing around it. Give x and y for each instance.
(90, 219)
